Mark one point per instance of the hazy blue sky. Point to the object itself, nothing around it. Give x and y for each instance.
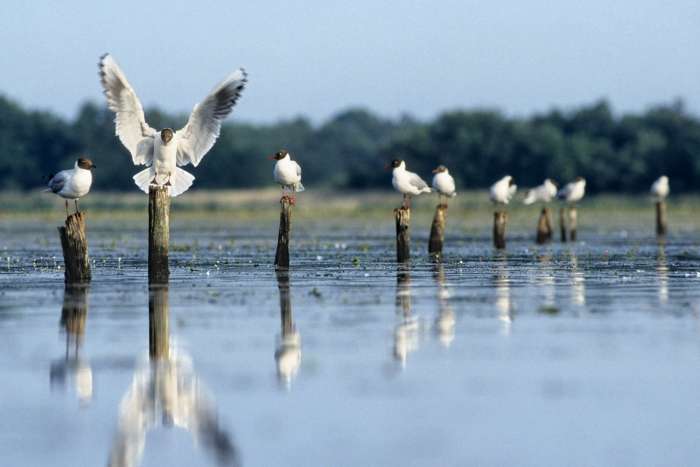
(317, 57)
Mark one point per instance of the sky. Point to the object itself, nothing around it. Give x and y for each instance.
(316, 58)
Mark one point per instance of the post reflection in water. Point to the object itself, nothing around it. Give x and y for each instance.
(662, 274)
(166, 392)
(504, 305)
(445, 321)
(406, 332)
(288, 350)
(578, 281)
(73, 367)
(545, 281)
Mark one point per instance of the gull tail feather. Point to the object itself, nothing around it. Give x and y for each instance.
(180, 182)
(298, 187)
(143, 178)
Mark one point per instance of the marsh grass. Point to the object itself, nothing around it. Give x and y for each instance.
(469, 211)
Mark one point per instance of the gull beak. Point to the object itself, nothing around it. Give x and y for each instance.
(272, 157)
(93, 166)
(435, 171)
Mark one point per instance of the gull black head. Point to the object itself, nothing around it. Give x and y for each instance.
(579, 179)
(166, 134)
(85, 164)
(511, 182)
(279, 155)
(396, 163)
(440, 169)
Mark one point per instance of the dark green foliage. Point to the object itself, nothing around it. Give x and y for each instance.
(614, 153)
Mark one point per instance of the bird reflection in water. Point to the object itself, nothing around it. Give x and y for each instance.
(662, 274)
(72, 367)
(445, 321)
(406, 332)
(504, 305)
(288, 350)
(166, 392)
(578, 281)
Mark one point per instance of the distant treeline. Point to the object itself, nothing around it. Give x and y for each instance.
(614, 153)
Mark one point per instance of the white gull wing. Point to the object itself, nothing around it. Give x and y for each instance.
(298, 168)
(131, 127)
(198, 136)
(417, 182)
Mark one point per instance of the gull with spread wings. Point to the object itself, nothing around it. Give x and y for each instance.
(164, 151)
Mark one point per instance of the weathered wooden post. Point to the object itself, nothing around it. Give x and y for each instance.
(562, 224)
(158, 317)
(282, 252)
(75, 250)
(437, 230)
(158, 234)
(500, 218)
(402, 216)
(544, 227)
(661, 223)
(573, 223)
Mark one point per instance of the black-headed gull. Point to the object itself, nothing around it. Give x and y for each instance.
(407, 183)
(443, 182)
(503, 190)
(165, 150)
(287, 172)
(660, 188)
(72, 184)
(543, 193)
(573, 191)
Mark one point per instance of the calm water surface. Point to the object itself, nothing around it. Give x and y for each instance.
(578, 355)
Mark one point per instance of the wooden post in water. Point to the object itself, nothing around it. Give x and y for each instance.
(158, 317)
(282, 252)
(573, 223)
(500, 218)
(402, 216)
(437, 230)
(562, 224)
(75, 250)
(661, 223)
(544, 227)
(158, 234)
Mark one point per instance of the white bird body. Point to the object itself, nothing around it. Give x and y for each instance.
(573, 192)
(71, 184)
(164, 151)
(543, 193)
(444, 184)
(660, 188)
(407, 182)
(503, 190)
(287, 173)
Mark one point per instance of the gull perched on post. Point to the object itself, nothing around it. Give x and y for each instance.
(406, 182)
(443, 182)
(72, 184)
(287, 173)
(660, 188)
(165, 150)
(543, 193)
(573, 192)
(503, 190)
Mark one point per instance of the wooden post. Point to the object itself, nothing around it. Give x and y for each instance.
(500, 218)
(282, 253)
(573, 223)
(403, 238)
(75, 250)
(562, 224)
(158, 234)
(661, 223)
(544, 227)
(158, 317)
(437, 230)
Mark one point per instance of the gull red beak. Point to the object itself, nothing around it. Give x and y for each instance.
(386, 167)
(272, 157)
